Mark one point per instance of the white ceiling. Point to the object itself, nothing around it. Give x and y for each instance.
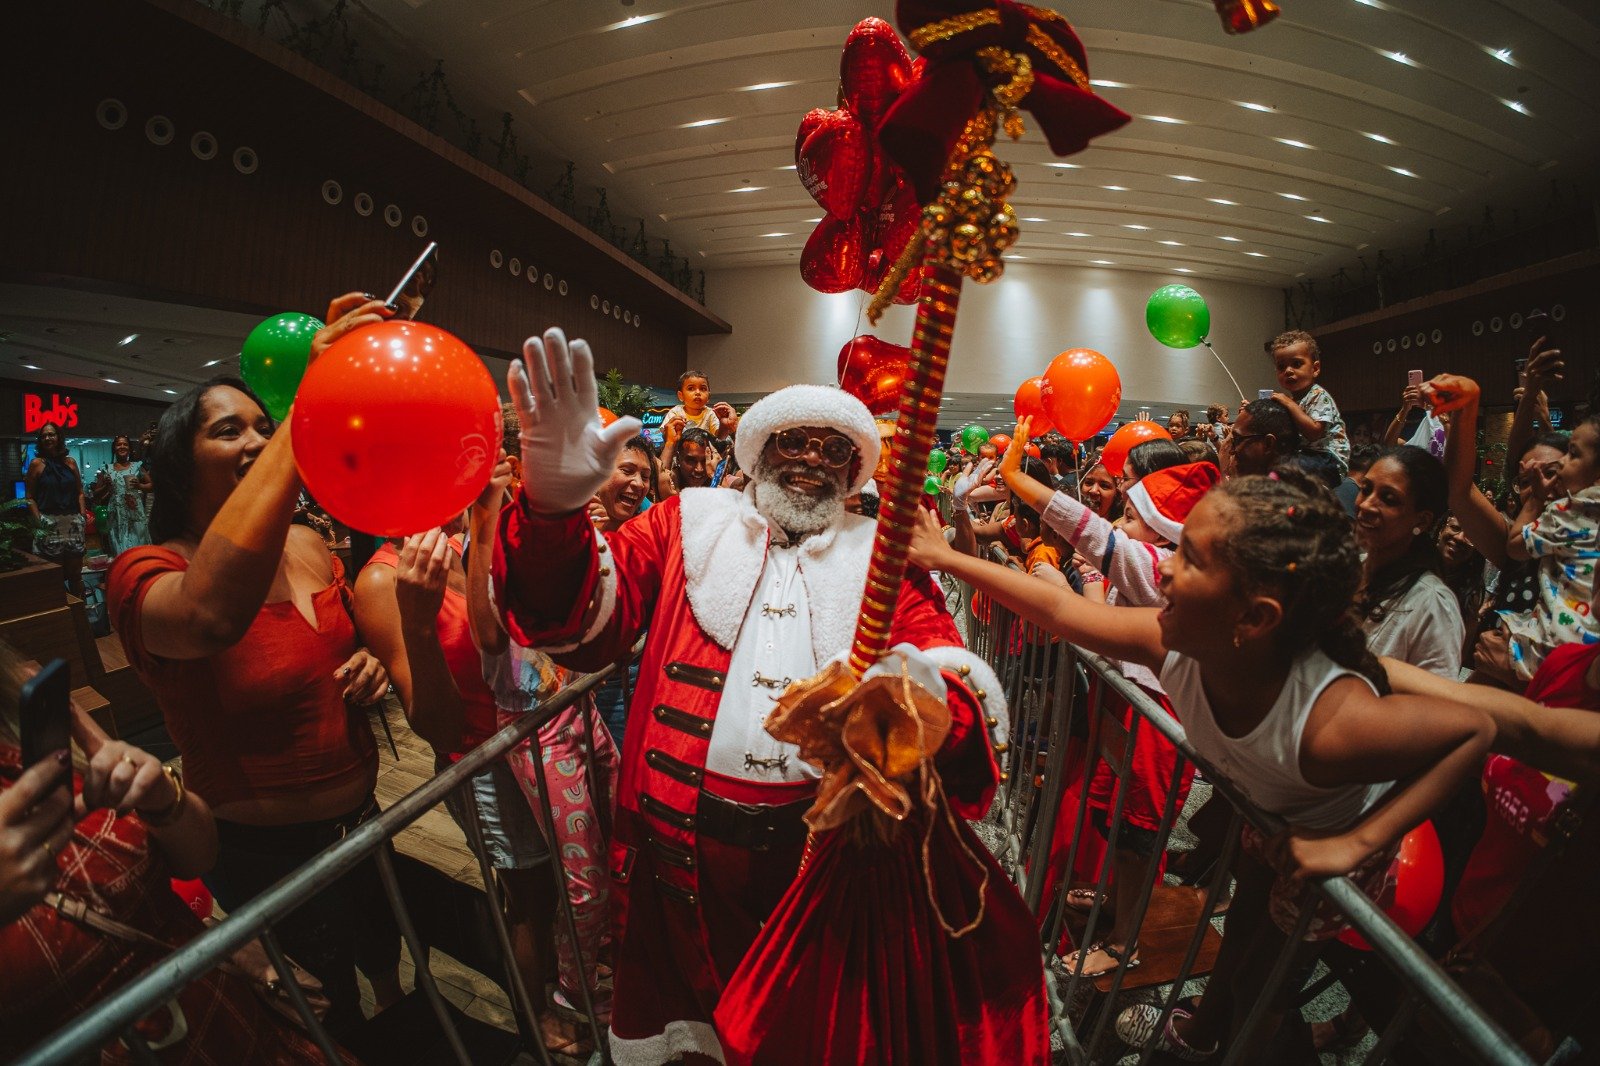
(1411, 115)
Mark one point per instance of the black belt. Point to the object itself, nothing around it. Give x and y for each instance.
(757, 826)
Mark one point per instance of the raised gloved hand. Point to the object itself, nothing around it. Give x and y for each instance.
(566, 453)
(967, 482)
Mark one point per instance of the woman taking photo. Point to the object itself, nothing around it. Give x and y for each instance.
(55, 496)
(122, 490)
(239, 622)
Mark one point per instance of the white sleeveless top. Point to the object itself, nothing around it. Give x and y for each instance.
(1265, 763)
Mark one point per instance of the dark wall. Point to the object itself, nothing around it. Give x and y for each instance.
(112, 210)
(1477, 331)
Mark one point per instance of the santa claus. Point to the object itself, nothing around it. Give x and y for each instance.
(740, 593)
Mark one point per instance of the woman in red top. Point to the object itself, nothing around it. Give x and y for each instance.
(237, 622)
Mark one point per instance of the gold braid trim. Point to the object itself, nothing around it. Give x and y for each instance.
(954, 26)
(1056, 54)
(1014, 65)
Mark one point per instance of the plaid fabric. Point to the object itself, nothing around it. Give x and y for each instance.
(55, 969)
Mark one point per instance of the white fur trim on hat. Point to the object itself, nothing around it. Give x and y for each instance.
(1139, 496)
(808, 405)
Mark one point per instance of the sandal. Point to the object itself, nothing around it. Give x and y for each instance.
(1118, 956)
(557, 1040)
(1082, 900)
(1137, 1027)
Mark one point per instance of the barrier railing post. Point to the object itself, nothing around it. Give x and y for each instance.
(419, 955)
(297, 996)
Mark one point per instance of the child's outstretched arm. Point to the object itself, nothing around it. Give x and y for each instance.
(1309, 428)
(1130, 634)
(1356, 737)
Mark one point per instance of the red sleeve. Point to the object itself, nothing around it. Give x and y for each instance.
(131, 577)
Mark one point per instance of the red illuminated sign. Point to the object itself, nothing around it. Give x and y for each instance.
(35, 416)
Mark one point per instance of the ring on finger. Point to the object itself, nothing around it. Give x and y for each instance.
(49, 850)
(129, 759)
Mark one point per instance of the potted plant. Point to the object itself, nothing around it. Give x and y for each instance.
(622, 399)
(28, 584)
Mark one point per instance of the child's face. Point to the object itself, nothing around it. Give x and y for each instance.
(1297, 371)
(1199, 588)
(1134, 525)
(1098, 491)
(693, 394)
(1580, 468)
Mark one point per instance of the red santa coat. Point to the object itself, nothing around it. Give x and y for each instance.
(686, 571)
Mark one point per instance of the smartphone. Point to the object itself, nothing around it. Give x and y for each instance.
(46, 718)
(416, 283)
(1262, 394)
(1413, 378)
(1521, 366)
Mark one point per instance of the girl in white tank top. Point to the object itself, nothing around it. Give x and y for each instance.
(1269, 674)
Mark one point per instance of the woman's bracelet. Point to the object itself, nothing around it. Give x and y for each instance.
(174, 809)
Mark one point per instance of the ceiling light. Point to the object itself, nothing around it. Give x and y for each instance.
(1258, 255)
(1103, 83)
(1402, 171)
(1035, 218)
(213, 362)
(1379, 4)
(1292, 196)
(1114, 188)
(1398, 57)
(1074, 234)
(1064, 166)
(1520, 109)
(1183, 270)
(170, 392)
(791, 166)
(1183, 177)
(1231, 240)
(1172, 244)
(813, 220)
(1130, 225)
(635, 20)
(1319, 218)
(112, 381)
(1502, 54)
(1010, 256)
(1168, 119)
(748, 188)
(1219, 200)
(1292, 143)
(29, 366)
(760, 85)
(129, 339)
(1380, 138)
(774, 234)
(1102, 262)
(1247, 105)
(701, 122)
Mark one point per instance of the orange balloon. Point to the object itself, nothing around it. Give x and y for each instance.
(1080, 393)
(1115, 454)
(1001, 441)
(1032, 451)
(606, 417)
(1029, 404)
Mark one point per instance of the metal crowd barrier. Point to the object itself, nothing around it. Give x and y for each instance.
(115, 1017)
(1049, 686)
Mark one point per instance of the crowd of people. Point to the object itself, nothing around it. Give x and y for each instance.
(1355, 634)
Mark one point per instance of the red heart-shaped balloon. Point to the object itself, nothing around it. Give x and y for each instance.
(887, 230)
(874, 69)
(808, 125)
(832, 259)
(874, 372)
(835, 163)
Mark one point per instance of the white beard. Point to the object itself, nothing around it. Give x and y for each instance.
(798, 515)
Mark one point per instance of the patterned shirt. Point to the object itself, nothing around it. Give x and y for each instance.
(1318, 403)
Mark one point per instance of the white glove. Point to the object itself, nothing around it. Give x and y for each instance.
(566, 455)
(967, 482)
(923, 670)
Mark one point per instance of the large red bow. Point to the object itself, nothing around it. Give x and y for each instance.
(921, 128)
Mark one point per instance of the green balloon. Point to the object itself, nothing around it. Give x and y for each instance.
(1177, 316)
(973, 437)
(930, 485)
(274, 358)
(937, 461)
(102, 515)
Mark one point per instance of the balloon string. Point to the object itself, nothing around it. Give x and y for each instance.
(1225, 369)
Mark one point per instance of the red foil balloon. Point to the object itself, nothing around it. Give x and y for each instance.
(396, 428)
(874, 69)
(1242, 16)
(1115, 454)
(1032, 451)
(874, 372)
(1029, 403)
(832, 260)
(835, 163)
(808, 125)
(1080, 393)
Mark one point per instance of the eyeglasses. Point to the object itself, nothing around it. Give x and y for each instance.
(836, 451)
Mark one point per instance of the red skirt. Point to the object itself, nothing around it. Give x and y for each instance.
(856, 966)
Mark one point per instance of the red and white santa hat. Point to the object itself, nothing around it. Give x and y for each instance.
(1164, 498)
(821, 406)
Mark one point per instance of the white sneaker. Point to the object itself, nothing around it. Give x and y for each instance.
(1137, 1027)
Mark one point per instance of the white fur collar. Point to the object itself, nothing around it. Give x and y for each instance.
(725, 550)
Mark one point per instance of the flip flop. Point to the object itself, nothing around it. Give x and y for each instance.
(1118, 957)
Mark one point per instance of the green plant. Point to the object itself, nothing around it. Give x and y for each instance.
(622, 399)
(17, 529)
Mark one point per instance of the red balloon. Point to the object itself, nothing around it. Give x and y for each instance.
(874, 69)
(887, 230)
(195, 895)
(1080, 393)
(396, 428)
(808, 125)
(832, 260)
(1001, 441)
(835, 163)
(1413, 887)
(1115, 454)
(1029, 404)
(1032, 451)
(874, 372)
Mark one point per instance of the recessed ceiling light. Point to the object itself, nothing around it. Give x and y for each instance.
(1502, 54)
(1520, 109)
(213, 362)
(1183, 270)
(635, 20)
(1074, 234)
(1184, 177)
(760, 85)
(1168, 119)
(1248, 106)
(1380, 138)
(701, 122)
(813, 220)
(1064, 166)
(112, 381)
(1102, 262)
(1292, 143)
(1402, 171)
(1230, 240)
(1379, 4)
(791, 166)
(129, 339)
(170, 392)
(1319, 218)
(1114, 188)
(1010, 256)
(1035, 218)
(1292, 196)
(1103, 83)
(1131, 225)
(1398, 57)
(1220, 200)
(1258, 255)
(748, 188)
(774, 234)
(1172, 244)
(29, 366)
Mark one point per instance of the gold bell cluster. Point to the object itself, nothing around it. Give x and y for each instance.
(970, 225)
